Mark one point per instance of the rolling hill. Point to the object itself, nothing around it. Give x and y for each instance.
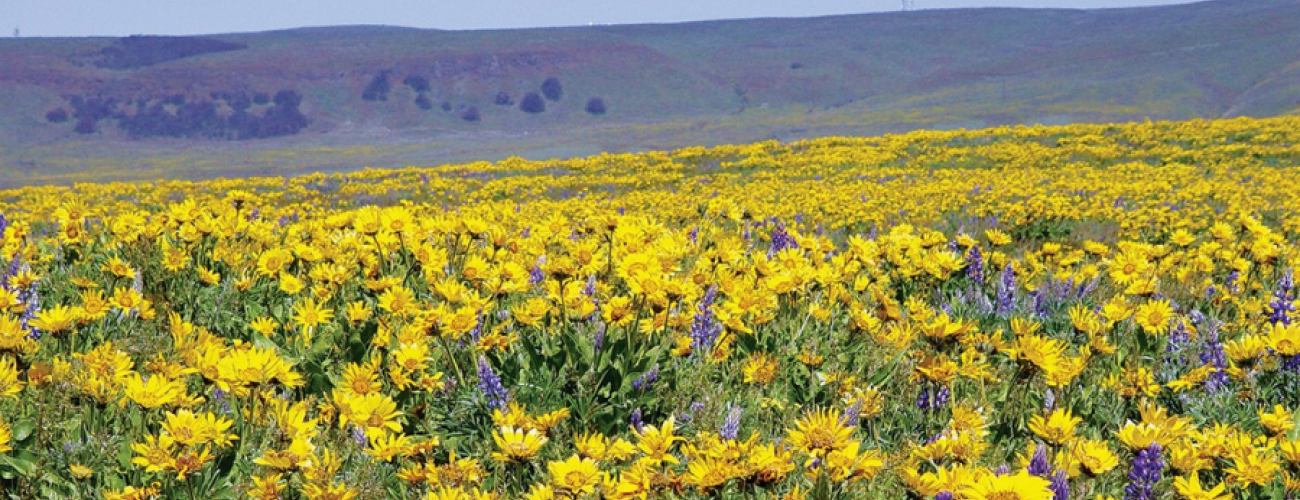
(351, 97)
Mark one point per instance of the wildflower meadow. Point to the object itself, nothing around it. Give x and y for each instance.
(1021, 313)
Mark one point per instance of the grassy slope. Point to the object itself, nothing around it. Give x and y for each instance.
(667, 85)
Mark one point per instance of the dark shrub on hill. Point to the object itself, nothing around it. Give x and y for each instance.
(503, 99)
(446, 105)
(532, 104)
(595, 106)
(423, 102)
(552, 89)
(470, 114)
(261, 98)
(417, 83)
(378, 88)
(140, 51)
(57, 115)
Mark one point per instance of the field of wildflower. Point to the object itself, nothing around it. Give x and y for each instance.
(1021, 313)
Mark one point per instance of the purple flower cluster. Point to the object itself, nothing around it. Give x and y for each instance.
(781, 240)
(933, 398)
(535, 275)
(1007, 292)
(1060, 486)
(731, 426)
(490, 384)
(646, 379)
(1038, 463)
(705, 327)
(1281, 306)
(975, 265)
(1144, 475)
(1212, 354)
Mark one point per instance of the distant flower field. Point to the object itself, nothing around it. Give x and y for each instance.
(1022, 313)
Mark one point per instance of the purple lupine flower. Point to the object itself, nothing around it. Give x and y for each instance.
(1231, 282)
(635, 420)
(933, 398)
(1049, 400)
(1006, 291)
(1281, 306)
(1060, 486)
(1038, 463)
(599, 339)
(695, 235)
(1212, 354)
(705, 327)
(697, 407)
(1002, 470)
(1040, 305)
(359, 435)
(853, 414)
(1144, 475)
(535, 275)
(731, 426)
(646, 379)
(1210, 292)
(490, 385)
(943, 495)
(781, 240)
(975, 265)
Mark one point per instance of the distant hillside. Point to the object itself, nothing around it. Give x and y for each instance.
(350, 97)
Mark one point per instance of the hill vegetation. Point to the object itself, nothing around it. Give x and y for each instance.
(132, 107)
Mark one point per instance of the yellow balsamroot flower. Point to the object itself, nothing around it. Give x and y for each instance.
(6, 437)
(1094, 457)
(361, 379)
(264, 325)
(189, 429)
(1189, 487)
(131, 493)
(706, 473)
(55, 319)
(1056, 428)
(242, 369)
(761, 368)
(1284, 339)
(1018, 486)
(10, 386)
(517, 445)
(267, 487)
(1278, 421)
(155, 454)
(574, 477)
(398, 301)
(657, 442)
(1140, 436)
(1247, 350)
(155, 392)
(818, 433)
(80, 471)
(308, 314)
(329, 491)
(1154, 316)
(997, 237)
(118, 267)
(375, 412)
(1256, 467)
(386, 447)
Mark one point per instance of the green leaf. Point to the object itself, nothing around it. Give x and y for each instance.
(23, 430)
(24, 468)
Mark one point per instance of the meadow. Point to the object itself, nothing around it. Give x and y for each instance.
(1018, 313)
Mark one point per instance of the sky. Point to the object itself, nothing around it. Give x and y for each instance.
(188, 17)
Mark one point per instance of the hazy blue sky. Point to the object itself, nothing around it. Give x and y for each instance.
(175, 17)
